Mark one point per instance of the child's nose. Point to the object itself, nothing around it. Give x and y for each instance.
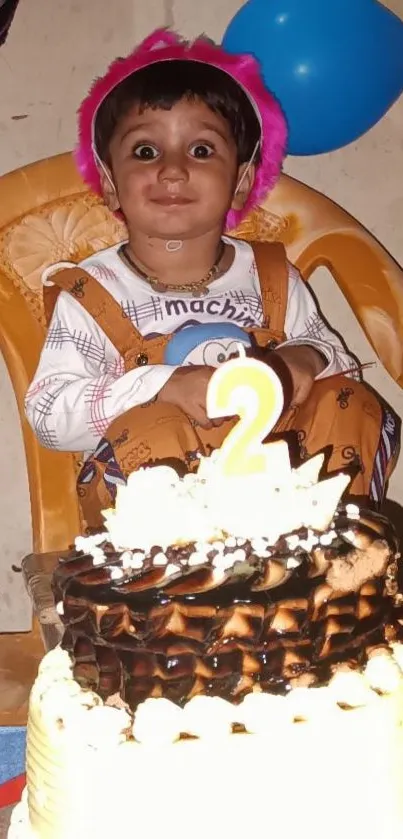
(173, 169)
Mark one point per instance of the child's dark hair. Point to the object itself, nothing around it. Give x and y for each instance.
(163, 84)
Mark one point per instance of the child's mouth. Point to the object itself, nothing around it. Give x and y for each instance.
(172, 201)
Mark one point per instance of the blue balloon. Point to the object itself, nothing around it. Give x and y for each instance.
(336, 66)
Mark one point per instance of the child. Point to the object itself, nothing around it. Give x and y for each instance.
(182, 140)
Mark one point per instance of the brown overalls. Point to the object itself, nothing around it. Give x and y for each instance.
(341, 416)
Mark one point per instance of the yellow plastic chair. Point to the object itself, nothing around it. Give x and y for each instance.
(47, 215)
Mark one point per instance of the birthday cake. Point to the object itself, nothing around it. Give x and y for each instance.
(231, 665)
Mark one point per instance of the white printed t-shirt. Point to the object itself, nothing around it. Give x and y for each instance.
(80, 385)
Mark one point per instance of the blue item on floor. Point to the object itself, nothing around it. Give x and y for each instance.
(12, 751)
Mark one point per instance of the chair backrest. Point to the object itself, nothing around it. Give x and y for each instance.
(48, 215)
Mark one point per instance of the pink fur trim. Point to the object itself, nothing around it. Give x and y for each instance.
(164, 45)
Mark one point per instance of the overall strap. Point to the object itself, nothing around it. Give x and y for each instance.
(97, 301)
(272, 268)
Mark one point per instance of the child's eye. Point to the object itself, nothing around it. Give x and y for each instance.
(145, 152)
(201, 150)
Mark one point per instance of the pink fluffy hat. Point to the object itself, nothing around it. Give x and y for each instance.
(164, 45)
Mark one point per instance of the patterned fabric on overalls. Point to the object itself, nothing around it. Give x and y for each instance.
(341, 416)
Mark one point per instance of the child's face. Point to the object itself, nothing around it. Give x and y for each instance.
(175, 171)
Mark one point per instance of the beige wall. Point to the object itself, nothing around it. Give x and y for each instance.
(54, 49)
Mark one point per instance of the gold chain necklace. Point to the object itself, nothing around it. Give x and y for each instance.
(198, 288)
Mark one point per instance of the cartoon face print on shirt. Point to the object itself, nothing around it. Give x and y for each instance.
(211, 344)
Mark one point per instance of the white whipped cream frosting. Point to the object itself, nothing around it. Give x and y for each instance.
(156, 507)
(82, 715)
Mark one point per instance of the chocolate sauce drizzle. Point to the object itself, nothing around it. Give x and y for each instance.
(177, 630)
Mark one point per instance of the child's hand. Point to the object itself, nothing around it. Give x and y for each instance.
(304, 364)
(187, 389)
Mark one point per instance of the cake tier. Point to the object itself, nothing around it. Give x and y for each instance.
(217, 618)
(317, 760)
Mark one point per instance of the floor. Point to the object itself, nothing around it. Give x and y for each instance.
(4, 821)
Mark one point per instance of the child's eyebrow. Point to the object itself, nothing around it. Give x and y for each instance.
(140, 126)
(210, 127)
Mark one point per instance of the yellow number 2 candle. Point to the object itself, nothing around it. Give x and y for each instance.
(249, 389)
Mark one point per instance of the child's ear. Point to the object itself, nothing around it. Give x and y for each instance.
(245, 181)
(108, 188)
